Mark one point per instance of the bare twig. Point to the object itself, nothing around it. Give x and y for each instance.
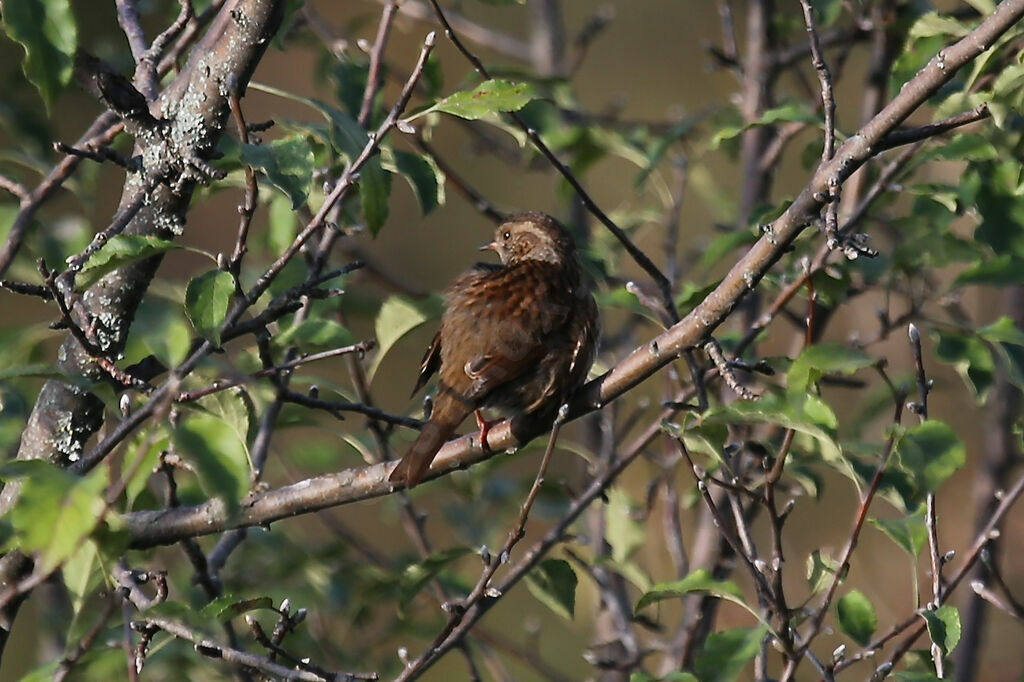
(641, 259)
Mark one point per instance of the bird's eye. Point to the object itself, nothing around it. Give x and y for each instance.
(507, 235)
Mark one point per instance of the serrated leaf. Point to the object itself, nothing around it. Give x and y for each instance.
(725, 654)
(48, 32)
(908, 532)
(857, 616)
(398, 316)
(698, 581)
(625, 534)
(120, 250)
(553, 583)
(930, 452)
(943, 627)
(288, 164)
(315, 334)
(207, 299)
(489, 97)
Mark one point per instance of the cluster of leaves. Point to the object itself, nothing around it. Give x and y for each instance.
(368, 600)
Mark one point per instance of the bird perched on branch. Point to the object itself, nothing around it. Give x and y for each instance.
(519, 337)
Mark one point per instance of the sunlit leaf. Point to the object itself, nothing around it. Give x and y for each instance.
(288, 163)
(398, 316)
(207, 300)
(725, 654)
(909, 532)
(698, 581)
(47, 31)
(857, 616)
(624, 532)
(489, 97)
(930, 452)
(314, 334)
(120, 250)
(943, 627)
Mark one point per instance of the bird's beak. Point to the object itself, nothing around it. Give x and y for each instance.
(489, 246)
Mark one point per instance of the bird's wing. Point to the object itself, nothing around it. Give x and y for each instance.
(489, 371)
(431, 363)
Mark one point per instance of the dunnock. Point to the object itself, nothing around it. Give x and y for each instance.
(519, 337)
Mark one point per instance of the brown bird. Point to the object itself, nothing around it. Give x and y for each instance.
(519, 337)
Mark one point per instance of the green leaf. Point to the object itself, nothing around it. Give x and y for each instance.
(1003, 330)
(349, 139)
(801, 418)
(935, 24)
(857, 616)
(56, 510)
(423, 176)
(911, 676)
(698, 581)
(676, 676)
(625, 533)
(489, 97)
(828, 11)
(315, 334)
(930, 452)
(374, 191)
(398, 316)
(288, 163)
(820, 571)
(283, 226)
(725, 654)
(420, 573)
(1000, 270)
(969, 356)
(824, 358)
(34, 370)
(235, 410)
(120, 250)
(553, 583)
(47, 31)
(228, 606)
(908, 532)
(943, 627)
(220, 458)
(207, 300)
(82, 573)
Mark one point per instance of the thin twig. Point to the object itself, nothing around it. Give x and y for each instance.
(641, 259)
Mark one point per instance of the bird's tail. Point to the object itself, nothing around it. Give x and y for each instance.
(435, 433)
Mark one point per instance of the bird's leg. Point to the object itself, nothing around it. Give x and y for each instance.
(485, 428)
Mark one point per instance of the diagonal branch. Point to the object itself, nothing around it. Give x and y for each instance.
(157, 527)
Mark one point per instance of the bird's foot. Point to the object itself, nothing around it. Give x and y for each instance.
(485, 428)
